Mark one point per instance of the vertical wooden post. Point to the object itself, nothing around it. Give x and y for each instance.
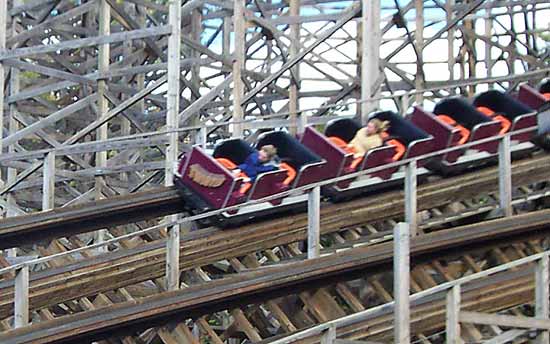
(401, 283)
(102, 104)
(313, 223)
(449, 8)
(505, 176)
(419, 46)
(48, 182)
(488, 47)
(329, 335)
(238, 66)
(21, 312)
(13, 126)
(202, 136)
(174, 53)
(173, 92)
(173, 257)
(3, 23)
(410, 197)
(453, 310)
(542, 295)
(297, 123)
(370, 58)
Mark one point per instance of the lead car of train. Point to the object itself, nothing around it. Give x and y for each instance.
(206, 182)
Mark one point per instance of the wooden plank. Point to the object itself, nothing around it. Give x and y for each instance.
(85, 42)
(506, 337)
(401, 283)
(503, 320)
(51, 119)
(453, 316)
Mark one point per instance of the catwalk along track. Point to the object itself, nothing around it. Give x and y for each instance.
(62, 222)
(273, 282)
(146, 262)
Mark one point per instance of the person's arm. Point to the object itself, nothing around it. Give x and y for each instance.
(251, 160)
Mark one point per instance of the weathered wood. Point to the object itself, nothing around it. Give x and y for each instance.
(313, 223)
(504, 320)
(452, 327)
(542, 295)
(353, 260)
(21, 300)
(85, 42)
(401, 283)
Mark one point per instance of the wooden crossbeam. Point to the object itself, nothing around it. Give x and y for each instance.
(503, 320)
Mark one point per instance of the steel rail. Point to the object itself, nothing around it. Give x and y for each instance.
(271, 283)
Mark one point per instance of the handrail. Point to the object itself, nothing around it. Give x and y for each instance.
(303, 188)
(363, 315)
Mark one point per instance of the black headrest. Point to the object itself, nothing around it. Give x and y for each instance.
(344, 128)
(502, 103)
(545, 86)
(399, 127)
(236, 150)
(461, 111)
(288, 148)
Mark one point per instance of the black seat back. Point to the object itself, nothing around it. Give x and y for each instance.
(236, 150)
(289, 149)
(461, 111)
(502, 103)
(344, 128)
(404, 130)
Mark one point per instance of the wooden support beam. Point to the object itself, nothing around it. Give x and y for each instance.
(239, 63)
(504, 320)
(21, 298)
(411, 198)
(173, 92)
(542, 295)
(313, 223)
(297, 125)
(505, 176)
(452, 316)
(401, 283)
(3, 23)
(48, 183)
(371, 38)
(85, 42)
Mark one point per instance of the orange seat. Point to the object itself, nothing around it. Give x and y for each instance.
(290, 173)
(546, 96)
(400, 148)
(230, 165)
(348, 149)
(464, 132)
(505, 123)
(338, 142)
(485, 110)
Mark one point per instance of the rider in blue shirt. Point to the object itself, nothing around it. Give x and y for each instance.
(264, 160)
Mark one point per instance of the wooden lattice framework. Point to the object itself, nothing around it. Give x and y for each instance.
(79, 76)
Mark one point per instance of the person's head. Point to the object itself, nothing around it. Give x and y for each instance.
(267, 153)
(376, 126)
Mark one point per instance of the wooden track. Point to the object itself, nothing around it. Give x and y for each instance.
(270, 283)
(68, 221)
(127, 267)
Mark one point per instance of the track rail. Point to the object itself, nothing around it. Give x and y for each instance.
(147, 262)
(68, 221)
(273, 282)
